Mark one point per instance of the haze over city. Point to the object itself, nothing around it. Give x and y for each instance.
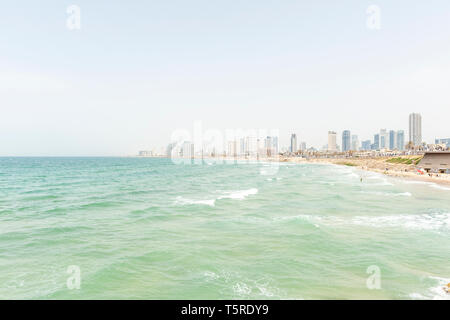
(124, 82)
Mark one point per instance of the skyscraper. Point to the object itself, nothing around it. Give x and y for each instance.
(415, 129)
(376, 142)
(294, 143)
(384, 139)
(303, 146)
(392, 140)
(332, 141)
(366, 145)
(355, 142)
(401, 140)
(346, 141)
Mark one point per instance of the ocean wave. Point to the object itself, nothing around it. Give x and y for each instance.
(433, 221)
(434, 293)
(436, 186)
(387, 194)
(239, 194)
(234, 195)
(183, 201)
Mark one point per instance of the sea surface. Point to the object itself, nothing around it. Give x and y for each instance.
(143, 228)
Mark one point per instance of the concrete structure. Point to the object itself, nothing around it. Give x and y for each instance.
(346, 141)
(332, 147)
(415, 129)
(376, 142)
(355, 142)
(294, 147)
(384, 139)
(303, 146)
(232, 149)
(443, 141)
(366, 145)
(187, 150)
(392, 140)
(400, 140)
(436, 162)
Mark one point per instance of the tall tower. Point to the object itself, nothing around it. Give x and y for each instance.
(332, 141)
(294, 143)
(415, 128)
(346, 141)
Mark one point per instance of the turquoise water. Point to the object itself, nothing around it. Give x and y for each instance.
(150, 229)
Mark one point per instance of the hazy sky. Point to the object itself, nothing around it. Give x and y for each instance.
(138, 70)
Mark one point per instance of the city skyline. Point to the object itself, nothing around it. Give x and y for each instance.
(385, 139)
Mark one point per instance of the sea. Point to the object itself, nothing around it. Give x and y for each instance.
(154, 228)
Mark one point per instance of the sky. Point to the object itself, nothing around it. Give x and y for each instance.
(136, 71)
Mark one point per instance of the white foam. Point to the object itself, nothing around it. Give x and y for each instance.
(387, 194)
(436, 186)
(434, 221)
(434, 293)
(241, 288)
(239, 194)
(235, 195)
(183, 201)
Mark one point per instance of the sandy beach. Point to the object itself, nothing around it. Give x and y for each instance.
(380, 165)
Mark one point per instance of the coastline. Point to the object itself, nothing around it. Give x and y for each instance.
(379, 165)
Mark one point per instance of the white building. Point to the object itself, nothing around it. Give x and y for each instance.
(294, 143)
(332, 146)
(415, 129)
(187, 150)
(355, 142)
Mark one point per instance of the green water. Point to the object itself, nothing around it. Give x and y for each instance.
(151, 229)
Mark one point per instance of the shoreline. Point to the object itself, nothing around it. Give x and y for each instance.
(377, 165)
(402, 171)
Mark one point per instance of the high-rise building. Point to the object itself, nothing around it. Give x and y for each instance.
(355, 142)
(294, 143)
(384, 139)
(187, 150)
(232, 149)
(275, 145)
(332, 141)
(376, 142)
(392, 140)
(271, 145)
(366, 145)
(303, 146)
(243, 146)
(400, 140)
(415, 129)
(346, 141)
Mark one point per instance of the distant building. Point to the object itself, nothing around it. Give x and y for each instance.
(392, 140)
(443, 141)
(242, 146)
(187, 150)
(400, 140)
(436, 162)
(355, 142)
(346, 141)
(332, 141)
(145, 153)
(303, 146)
(232, 149)
(271, 146)
(376, 142)
(275, 146)
(366, 145)
(294, 143)
(415, 129)
(384, 139)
